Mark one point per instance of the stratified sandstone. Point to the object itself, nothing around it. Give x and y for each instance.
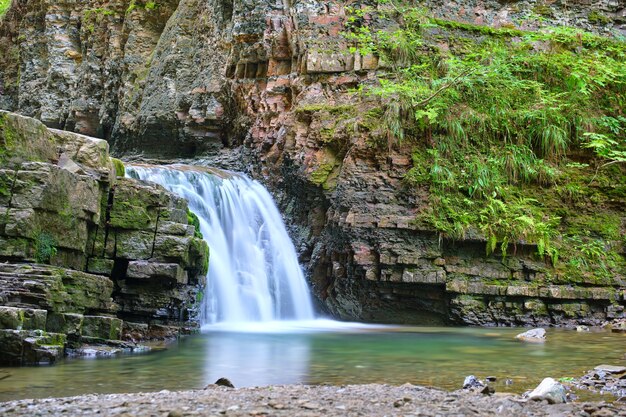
(87, 255)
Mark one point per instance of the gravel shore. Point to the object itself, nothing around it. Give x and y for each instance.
(302, 400)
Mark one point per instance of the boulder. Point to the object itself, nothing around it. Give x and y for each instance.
(533, 335)
(549, 390)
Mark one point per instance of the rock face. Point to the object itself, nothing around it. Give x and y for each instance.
(81, 251)
(268, 85)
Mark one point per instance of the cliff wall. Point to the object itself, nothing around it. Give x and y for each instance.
(272, 88)
(88, 257)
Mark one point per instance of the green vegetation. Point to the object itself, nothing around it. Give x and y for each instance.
(148, 5)
(7, 138)
(193, 220)
(494, 116)
(91, 17)
(335, 110)
(4, 6)
(598, 18)
(321, 174)
(45, 247)
(120, 169)
(16, 146)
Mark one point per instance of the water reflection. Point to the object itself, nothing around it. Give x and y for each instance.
(252, 359)
(311, 353)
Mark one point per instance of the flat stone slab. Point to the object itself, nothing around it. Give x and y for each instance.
(611, 369)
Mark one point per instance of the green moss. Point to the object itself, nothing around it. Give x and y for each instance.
(7, 136)
(199, 254)
(335, 110)
(45, 248)
(91, 17)
(321, 174)
(54, 339)
(89, 13)
(542, 9)
(604, 225)
(480, 29)
(598, 18)
(205, 262)
(127, 215)
(23, 139)
(6, 183)
(193, 220)
(147, 5)
(120, 169)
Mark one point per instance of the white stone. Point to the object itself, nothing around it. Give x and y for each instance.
(549, 390)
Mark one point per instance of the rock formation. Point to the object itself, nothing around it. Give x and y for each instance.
(267, 87)
(88, 257)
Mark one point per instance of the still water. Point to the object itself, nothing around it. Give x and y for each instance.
(326, 354)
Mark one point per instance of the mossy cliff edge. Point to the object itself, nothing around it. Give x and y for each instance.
(447, 162)
(86, 256)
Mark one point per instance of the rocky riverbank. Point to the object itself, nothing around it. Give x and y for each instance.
(302, 400)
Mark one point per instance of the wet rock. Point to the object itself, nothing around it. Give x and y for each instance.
(102, 327)
(582, 328)
(30, 347)
(472, 382)
(533, 335)
(96, 351)
(549, 390)
(224, 382)
(611, 369)
(610, 379)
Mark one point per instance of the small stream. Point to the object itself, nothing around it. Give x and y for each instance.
(327, 353)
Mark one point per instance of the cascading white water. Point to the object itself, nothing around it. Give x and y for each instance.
(254, 273)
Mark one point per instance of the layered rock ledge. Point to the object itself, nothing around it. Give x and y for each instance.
(87, 256)
(289, 400)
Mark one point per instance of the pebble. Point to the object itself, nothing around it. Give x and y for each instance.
(363, 400)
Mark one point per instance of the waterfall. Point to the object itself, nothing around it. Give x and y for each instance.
(254, 273)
